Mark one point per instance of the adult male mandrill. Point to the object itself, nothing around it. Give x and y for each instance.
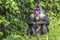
(38, 22)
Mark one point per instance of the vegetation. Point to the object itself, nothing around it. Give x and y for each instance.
(14, 15)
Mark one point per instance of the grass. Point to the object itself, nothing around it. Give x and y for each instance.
(54, 33)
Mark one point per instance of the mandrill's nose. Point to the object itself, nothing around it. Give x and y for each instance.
(36, 13)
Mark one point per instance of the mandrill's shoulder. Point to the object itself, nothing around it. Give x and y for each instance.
(31, 16)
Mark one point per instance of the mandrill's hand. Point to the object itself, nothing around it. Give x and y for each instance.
(41, 22)
(32, 22)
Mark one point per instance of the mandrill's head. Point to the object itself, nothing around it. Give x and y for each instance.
(38, 10)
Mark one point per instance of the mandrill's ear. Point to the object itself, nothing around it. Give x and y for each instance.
(41, 9)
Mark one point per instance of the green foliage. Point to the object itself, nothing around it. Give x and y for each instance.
(14, 15)
(1, 34)
(13, 37)
(24, 37)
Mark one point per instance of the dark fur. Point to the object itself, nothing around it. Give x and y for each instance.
(34, 24)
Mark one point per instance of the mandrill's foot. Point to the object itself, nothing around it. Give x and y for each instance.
(31, 31)
(44, 30)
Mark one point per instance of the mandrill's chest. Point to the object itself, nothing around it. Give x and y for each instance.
(33, 17)
(39, 17)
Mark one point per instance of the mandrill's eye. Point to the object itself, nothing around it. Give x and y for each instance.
(37, 9)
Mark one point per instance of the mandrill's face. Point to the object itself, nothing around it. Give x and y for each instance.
(37, 12)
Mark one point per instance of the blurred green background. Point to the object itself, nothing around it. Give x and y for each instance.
(14, 15)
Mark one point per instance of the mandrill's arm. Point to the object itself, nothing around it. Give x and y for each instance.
(31, 20)
(42, 22)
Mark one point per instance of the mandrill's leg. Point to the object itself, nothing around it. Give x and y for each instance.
(30, 30)
(38, 30)
(44, 29)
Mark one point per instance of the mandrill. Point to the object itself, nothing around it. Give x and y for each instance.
(38, 22)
